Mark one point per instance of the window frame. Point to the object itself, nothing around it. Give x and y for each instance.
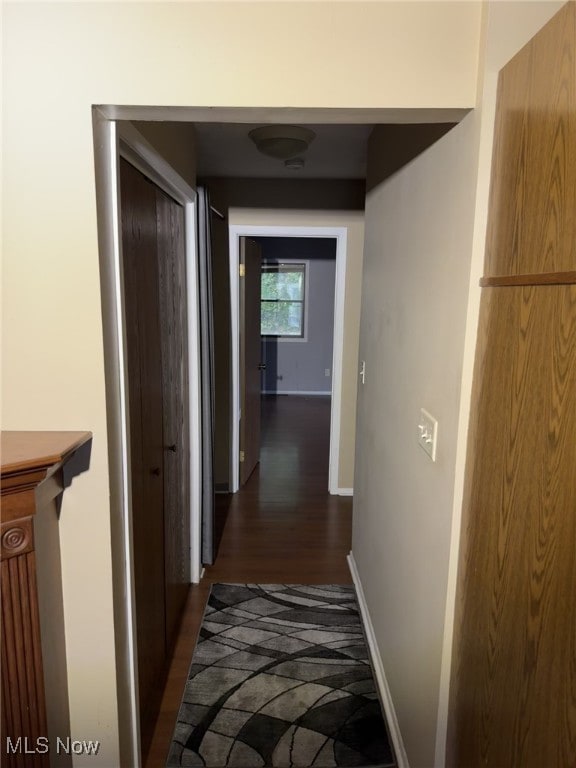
(305, 263)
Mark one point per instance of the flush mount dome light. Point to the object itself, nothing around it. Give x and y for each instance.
(282, 141)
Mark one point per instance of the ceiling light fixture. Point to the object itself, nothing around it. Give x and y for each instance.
(282, 142)
(295, 163)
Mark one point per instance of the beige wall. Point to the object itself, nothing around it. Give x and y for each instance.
(59, 59)
(424, 243)
(353, 221)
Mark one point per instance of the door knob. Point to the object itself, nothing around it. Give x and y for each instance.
(155, 471)
(262, 367)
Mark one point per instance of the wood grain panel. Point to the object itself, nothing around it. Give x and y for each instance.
(23, 702)
(513, 698)
(538, 278)
(174, 342)
(532, 220)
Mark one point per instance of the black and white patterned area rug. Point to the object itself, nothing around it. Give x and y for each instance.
(280, 678)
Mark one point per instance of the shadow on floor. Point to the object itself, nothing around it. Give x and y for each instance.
(222, 504)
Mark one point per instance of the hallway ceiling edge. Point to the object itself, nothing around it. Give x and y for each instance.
(283, 114)
(225, 150)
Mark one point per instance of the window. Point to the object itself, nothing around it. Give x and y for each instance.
(283, 300)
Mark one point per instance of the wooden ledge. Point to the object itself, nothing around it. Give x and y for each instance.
(30, 458)
(543, 278)
(23, 451)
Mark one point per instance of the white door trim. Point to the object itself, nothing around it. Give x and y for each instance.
(236, 231)
(194, 404)
(113, 140)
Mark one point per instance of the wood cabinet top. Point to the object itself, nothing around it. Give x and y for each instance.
(28, 451)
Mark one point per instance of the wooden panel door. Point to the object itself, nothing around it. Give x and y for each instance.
(156, 339)
(145, 391)
(250, 357)
(512, 699)
(173, 322)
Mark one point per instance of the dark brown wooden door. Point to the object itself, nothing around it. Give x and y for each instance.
(155, 322)
(142, 322)
(250, 357)
(173, 325)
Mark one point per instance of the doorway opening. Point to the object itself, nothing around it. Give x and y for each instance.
(112, 140)
(297, 315)
(295, 319)
(282, 235)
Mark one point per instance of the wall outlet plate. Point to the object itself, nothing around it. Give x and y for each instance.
(428, 433)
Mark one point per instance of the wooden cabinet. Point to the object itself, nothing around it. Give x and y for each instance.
(36, 468)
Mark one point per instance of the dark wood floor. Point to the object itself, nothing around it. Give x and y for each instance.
(281, 527)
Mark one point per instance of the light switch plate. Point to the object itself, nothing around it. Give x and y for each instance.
(428, 433)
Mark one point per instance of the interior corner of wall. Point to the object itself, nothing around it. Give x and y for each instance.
(482, 52)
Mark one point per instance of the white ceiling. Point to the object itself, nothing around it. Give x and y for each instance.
(337, 152)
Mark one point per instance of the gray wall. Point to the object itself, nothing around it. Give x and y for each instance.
(294, 366)
(419, 227)
(288, 194)
(176, 142)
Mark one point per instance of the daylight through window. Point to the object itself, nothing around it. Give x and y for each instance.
(283, 300)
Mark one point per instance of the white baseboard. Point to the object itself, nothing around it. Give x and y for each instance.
(378, 666)
(294, 392)
(197, 578)
(344, 491)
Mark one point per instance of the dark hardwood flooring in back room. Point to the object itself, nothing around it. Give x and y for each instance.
(281, 527)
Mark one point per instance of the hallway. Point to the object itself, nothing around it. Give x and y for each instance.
(281, 527)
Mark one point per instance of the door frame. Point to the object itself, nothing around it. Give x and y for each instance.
(340, 234)
(112, 140)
